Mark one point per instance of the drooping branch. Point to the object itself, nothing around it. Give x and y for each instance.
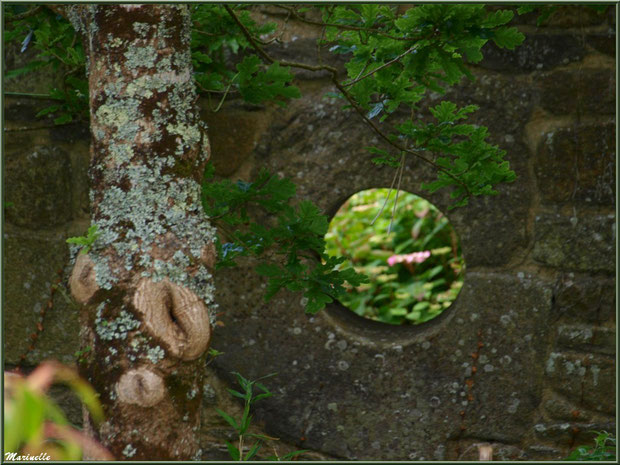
(341, 87)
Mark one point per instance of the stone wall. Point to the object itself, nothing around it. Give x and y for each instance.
(525, 357)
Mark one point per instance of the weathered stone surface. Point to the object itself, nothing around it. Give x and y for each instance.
(588, 338)
(40, 188)
(583, 90)
(233, 134)
(578, 164)
(581, 298)
(468, 450)
(604, 42)
(557, 407)
(537, 52)
(584, 244)
(586, 379)
(569, 433)
(336, 369)
(31, 263)
(538, 452)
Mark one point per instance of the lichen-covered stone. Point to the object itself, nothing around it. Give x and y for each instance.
(585, 378)
(580, 298)
(583, 242)
(429, 373)
(588, 338)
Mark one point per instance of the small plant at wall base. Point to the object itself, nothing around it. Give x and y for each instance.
(242, 425)
(604, 449)
(416, 270)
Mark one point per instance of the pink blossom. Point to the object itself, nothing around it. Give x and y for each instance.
(415, 257)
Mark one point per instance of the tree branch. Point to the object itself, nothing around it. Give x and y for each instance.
(347, 95)
(27, 14)
(384, 65)
(345, 27)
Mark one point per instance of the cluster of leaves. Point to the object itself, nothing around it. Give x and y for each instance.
(218, 43)
(396, 59)
(87, 240)
(604, 449)
(34, 424)
(58, 47)
(405, 293)
(242, 425)
(292, 247)
(466, 155)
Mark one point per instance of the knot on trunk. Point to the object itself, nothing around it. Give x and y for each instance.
(83, 283)
(175, 315)
(141, 387)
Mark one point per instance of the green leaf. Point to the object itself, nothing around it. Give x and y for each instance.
(508, 37)
(233, 451)
(230, 420)
(253, 450)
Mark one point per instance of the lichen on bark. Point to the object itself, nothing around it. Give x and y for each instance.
(146, 283)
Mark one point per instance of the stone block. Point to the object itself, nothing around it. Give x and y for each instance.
(31, 263)
(233, 134)
(557, 407)
(38, 184)
(582, 90)
(587, 338)
(604, 42)
(541, 453)
(581, 298)
(358, 389)
(537, 52)
(585, 243)
(570, 434)
(578, 164)
(588, 380)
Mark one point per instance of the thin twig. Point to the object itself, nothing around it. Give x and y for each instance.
(248, 35)
(400, 178)
(29, 95)
(27, 14)
(384, 65)
(341, 26)
(387, 198)
(347, 95)
(52, 126)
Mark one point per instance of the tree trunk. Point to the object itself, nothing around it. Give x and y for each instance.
(145, 286)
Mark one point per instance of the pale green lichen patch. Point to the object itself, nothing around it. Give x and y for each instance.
(138, 56)
(129, 450)
(141, 29)
(117, 328)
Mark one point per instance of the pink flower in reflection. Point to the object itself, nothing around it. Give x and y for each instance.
(415, 257)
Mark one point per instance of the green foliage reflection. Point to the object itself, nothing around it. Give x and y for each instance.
(416, 270)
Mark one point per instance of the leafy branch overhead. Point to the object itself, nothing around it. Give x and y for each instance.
(292, 247)
(394, 59)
